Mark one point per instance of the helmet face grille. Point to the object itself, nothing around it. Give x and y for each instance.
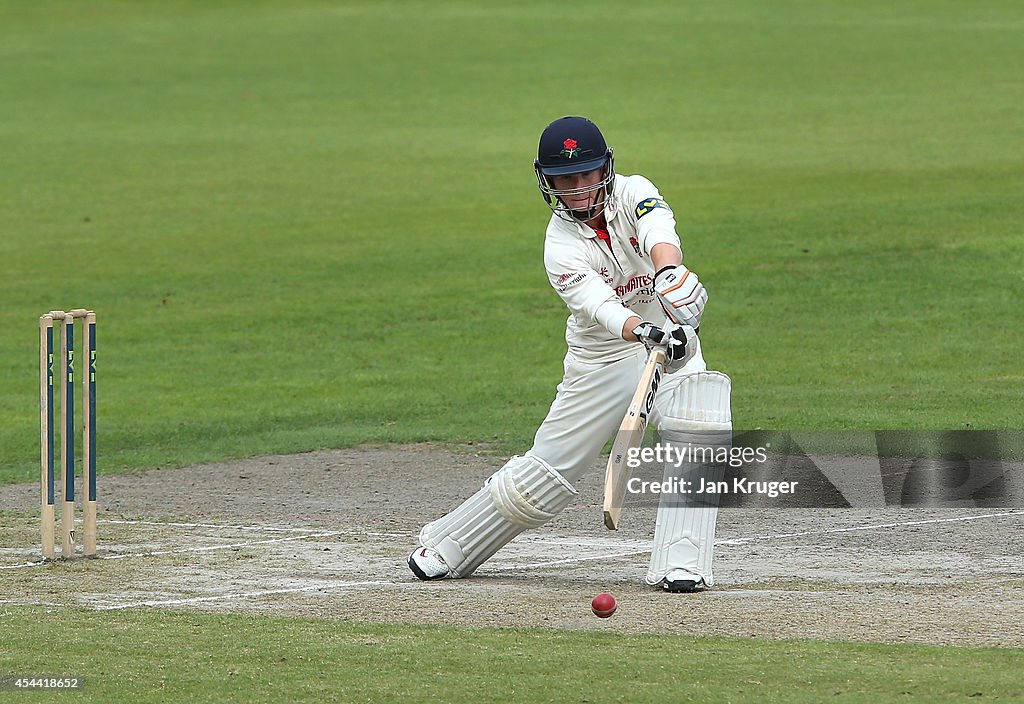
(599, 192)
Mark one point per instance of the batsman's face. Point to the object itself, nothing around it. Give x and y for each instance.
(579, 191)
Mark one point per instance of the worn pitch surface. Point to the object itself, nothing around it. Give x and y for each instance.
(327, 534)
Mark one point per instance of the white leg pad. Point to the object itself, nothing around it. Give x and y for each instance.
(526, 493)
(695, 415)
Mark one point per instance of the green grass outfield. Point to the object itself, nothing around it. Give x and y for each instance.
(310, 224)
(153, 657)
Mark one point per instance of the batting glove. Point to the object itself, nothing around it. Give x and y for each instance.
(681, 294)
(649, 334)
(680, 342)
(681, 345)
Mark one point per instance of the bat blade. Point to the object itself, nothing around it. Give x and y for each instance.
(631, 435)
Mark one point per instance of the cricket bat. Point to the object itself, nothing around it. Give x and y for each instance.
(630, 435)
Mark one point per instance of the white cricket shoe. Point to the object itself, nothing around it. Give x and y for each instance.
(683, 586)
(682, 582)
(427, 564)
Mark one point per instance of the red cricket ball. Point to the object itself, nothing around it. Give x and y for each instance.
(603, 605)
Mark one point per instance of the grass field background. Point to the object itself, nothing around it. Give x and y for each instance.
(308, 225)
(315, 225)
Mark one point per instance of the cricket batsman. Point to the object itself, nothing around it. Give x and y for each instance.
(612, 253)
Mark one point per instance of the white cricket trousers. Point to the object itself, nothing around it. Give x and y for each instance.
(589, 406)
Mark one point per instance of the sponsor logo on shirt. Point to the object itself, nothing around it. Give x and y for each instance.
(636, 283)
(646, 206)
(567, 280)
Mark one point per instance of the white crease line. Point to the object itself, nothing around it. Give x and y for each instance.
(23, 565)
(173, 524)
(875, 526)
(179, 551)
(229, 546)
(744, 541)
(570, 560)
(219, 526)
(327, 586)
(607, 543)
(727, 541)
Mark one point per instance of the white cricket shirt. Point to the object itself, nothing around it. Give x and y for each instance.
(603, 286)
